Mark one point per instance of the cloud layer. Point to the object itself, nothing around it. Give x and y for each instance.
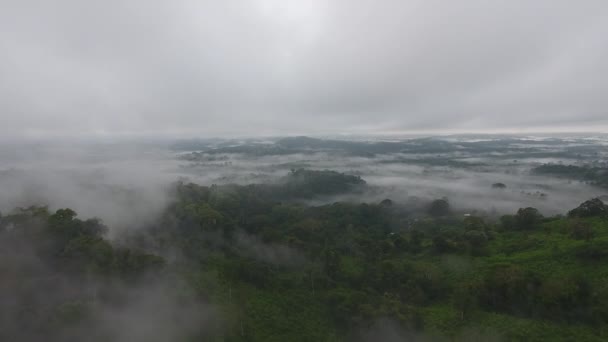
(272, 67)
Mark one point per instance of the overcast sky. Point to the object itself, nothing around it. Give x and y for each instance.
(264, 67)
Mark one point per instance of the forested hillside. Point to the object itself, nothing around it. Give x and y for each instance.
(255, 263)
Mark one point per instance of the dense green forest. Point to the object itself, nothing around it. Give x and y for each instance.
(257, 263)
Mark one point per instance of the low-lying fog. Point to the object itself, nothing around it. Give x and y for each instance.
(466, 188)
(128, 184)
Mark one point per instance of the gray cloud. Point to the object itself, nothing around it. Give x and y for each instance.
(265, 67)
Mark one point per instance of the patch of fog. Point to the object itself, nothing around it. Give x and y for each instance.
(128, 185)
(539, 161)
(473, 191)
(150, 310)
(276, 254)
(467, 189)
(124, 186)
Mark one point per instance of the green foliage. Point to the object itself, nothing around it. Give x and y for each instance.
(590, 208)
(439, 207)
(581, 230)
(308, 183)
(280, 270)
(527, 218)
(55, 268)
(360, 268)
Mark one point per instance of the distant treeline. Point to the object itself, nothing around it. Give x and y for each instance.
(592, 174)
(499, 147)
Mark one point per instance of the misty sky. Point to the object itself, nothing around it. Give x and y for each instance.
(267, 67)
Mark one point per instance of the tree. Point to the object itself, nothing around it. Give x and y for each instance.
(590, 208)
(439, 207)
(474, 223)
(527, 218)
(580, 230)
(386, 202)
(464, 297)
(507, 222)
(442, 245)
(415, 242)
(204, 214)
(499, 186)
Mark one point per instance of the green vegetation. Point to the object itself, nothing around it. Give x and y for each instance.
(281, 270)
(56, 269)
